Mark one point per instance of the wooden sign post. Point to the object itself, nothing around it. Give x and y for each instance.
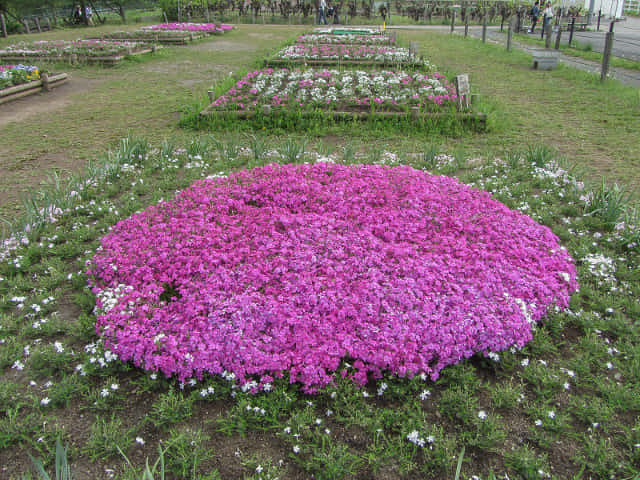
(462, 90)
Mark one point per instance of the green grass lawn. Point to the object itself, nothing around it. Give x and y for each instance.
(566, 406)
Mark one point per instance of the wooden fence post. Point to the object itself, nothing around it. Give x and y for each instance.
(509, 34)
(571, 27)
(606, 54)
(453, 21)
(547, 38)
(559, 34)
(484, 28)
(466, 23)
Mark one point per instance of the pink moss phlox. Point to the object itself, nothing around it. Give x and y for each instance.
(294, 268)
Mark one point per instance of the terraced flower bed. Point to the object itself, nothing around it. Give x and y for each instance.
(205, 28)
(346, 39)
(341, 54)
(84, 51)
(17, 81)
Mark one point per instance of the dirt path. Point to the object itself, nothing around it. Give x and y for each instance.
(22, 176)
(48, 103)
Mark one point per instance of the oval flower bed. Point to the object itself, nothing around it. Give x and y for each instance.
(293, 269)
(297, 90)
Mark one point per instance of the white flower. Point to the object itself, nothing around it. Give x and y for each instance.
(538, 423)
(104, 393)
(610, 365)
(114, 386)
(525, 362)
(414, 437)
(18, 365)
(551, 414)
(482, 414)
(45, 401)
(259, 469)
(425, 394)
(140, 440)
(296, 449)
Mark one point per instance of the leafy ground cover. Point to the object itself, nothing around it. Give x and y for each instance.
(11, 75)
(565, 405)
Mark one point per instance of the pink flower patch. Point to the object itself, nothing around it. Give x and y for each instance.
(293, 268)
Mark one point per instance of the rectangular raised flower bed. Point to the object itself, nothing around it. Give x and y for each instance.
(164, 37)
(357, 95)
(339, 55)
(77, 51)
(347, 39)
(45, 83)
(202, 28)
(349, 30)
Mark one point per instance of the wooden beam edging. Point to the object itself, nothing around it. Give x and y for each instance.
(412, 114)
(20, 91)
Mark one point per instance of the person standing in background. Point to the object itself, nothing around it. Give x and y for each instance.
(322, 7)
(88, 13)
(546, 18)
(535, 13)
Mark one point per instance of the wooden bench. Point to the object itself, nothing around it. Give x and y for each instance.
(580, 25)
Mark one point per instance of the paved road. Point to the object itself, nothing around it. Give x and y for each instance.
(626, 38)
(629, 45)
